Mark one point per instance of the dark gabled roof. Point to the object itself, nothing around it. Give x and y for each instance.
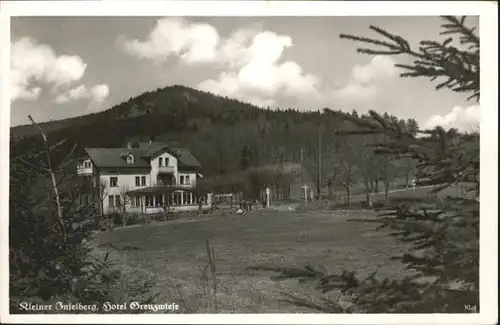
(115, 157)
(186, 158)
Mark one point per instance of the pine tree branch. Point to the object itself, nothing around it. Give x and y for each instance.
(461, 68)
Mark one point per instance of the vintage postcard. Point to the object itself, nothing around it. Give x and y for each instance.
(260, 162)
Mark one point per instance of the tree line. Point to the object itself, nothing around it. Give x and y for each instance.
(227, 135)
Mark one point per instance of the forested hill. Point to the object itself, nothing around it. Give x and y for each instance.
(217, 130)
(169, 100)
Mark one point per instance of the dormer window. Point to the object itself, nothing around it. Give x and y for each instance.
(163, 162)
(130, 159)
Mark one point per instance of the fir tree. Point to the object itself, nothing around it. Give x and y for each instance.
(443, 261)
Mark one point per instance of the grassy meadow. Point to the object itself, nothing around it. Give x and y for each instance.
(174, 253)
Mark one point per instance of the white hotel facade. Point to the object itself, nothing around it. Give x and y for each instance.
(143, 179)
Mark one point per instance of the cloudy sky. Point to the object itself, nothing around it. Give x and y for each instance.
(65, 67)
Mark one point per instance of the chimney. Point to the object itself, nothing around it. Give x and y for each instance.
(129, 145)
(150, 143)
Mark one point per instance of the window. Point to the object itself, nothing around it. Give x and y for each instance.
(113, 181)
(137, 181)
(166, 161)
(135, 201)
(114, 200)
(143, 180)
(187, 179)
(177, 198)
(87, 164)
(182, 179)
(186, 198)
(130, 159)
(149, 201)
(160, 162)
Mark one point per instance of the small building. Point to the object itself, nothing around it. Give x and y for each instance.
(144, 179)
(287, 181)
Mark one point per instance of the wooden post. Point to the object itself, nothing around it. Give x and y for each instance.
(305, 187)
(268, 194)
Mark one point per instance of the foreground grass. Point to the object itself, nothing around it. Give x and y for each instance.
(175, 255)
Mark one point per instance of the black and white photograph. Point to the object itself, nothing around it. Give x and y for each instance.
(251, 162)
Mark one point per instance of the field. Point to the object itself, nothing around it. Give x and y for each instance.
(175, 254)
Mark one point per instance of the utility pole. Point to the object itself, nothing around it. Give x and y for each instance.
(318, 191)
(304, 186)
(302, 165)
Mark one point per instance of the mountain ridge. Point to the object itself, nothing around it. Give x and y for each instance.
(214, 128)
(186, 93)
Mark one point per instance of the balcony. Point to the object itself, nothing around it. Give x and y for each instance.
(189, 184)
(84, 171)
(165, 170)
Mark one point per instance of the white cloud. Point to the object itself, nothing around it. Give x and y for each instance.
(463, 119)
(96, 94)
(33, 63)
(379, 67)
(72, 94)
(225, 85)
(249, 59)
(362, 84)
(99, 92)
(254, 72)
(192, 43)
(233, 51)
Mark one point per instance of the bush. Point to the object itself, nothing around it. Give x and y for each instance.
(45, 262)
(121, 218)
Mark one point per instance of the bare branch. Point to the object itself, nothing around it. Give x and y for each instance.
(53, 177)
